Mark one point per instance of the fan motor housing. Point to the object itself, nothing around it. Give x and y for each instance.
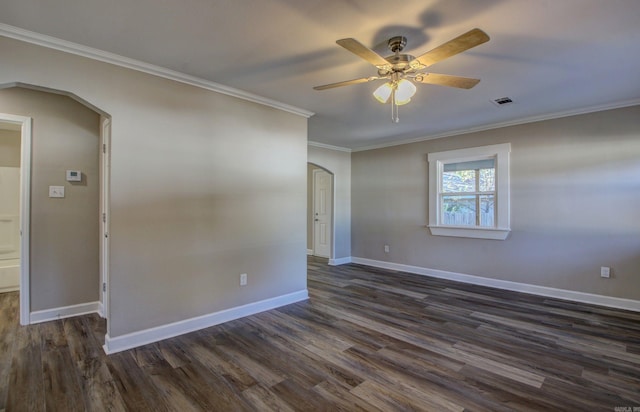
(399, 63)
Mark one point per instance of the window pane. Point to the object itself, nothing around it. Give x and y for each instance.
(487, 180)
(459, 181)
(459, 210)
(487, 211)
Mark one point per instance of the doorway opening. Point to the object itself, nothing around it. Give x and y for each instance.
(15, 174)
(62, 204)
(320, 210)
(10, 175)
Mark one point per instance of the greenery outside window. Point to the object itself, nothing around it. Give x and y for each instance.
(469, 192)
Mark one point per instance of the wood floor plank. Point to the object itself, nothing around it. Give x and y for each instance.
(173, 352)
(342, 398)
(26, 379)
(312, 334)
(628, 389)
(583, 392)
(133, 383)
(98, 389)
(8, 327)
(298, 397)
(403, 397)
(263, 399)
(509, 394)
(61, 386)
(301, 355)
(190, 387)
(270, 356)
(199, 348)
(256, 370)
(368, 339)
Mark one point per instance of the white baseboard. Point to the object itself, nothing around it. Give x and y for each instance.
(9, 289)
(63, 312)
(144, 337)
(612, 302)
(340, 261)
(309, 252)
(101, 310)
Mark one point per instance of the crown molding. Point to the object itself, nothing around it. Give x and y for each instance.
(115, 59)
(531, 119)
(328, 146)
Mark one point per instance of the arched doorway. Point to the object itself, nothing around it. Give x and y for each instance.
(62, 192)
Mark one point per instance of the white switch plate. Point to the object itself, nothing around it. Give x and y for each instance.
(243, 279)
(605, 272)
(56, 191)
(386, 248)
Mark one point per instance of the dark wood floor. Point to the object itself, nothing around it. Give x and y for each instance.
(366, 340)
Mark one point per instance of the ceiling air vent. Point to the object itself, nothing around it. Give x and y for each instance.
(501, 101)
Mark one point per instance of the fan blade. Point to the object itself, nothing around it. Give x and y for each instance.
(345, 83)
(362, 51)
(446, 80)
(470, 39)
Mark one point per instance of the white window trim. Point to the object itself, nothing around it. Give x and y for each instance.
(436, 161)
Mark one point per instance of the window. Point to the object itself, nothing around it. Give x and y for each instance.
(469, 192)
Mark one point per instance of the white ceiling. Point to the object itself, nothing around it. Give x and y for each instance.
(549, 56)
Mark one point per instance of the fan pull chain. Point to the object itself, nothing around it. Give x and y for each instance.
(394, 107)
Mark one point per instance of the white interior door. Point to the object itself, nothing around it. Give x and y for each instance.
(322, 211)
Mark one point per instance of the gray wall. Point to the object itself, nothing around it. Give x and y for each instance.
(64, 232)
(574, 200)
(9, 148)
(204, 187)
(339, 164)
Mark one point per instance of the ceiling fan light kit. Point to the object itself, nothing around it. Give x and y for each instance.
(403, 70)
(403, 91)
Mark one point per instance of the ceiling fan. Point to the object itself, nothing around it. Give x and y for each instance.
(402, 70)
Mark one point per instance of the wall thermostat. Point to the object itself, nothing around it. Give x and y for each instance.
(74, 176)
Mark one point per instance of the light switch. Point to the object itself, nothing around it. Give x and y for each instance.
(56, 191)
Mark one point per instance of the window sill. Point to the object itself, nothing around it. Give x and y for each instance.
(474, 233)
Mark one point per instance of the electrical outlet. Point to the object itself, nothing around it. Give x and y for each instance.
(243, 279)
(605, 272)
(386, 248)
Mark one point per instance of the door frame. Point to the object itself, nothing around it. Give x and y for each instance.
(332, 205)
(105, 175)
(25, 209)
